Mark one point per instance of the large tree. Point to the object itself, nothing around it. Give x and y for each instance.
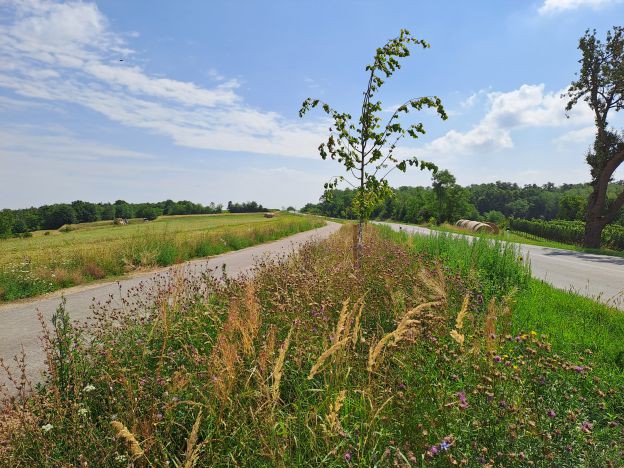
(600, 84)
(366, 149)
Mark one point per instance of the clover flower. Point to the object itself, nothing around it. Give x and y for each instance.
(463, 403)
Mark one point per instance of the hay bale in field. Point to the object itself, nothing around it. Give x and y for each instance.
(477, 226)
(269, 215)
(494, 226)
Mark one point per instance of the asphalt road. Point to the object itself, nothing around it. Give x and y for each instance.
(19, 325)
(600, 277)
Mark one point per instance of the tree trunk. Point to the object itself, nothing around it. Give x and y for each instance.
(593, 232)
(358, 243)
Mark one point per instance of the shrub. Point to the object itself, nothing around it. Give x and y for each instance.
(570, 232)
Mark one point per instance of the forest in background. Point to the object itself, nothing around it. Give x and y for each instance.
(23, 221)
(446, 201)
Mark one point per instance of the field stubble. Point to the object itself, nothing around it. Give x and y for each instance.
(33, 266)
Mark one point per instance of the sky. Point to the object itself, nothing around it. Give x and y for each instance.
(154, 100)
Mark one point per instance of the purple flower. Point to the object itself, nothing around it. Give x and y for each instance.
(551, 413)
(444, 445)
(434, 450)
(463, 403)
(586, 427)
(578, 368)
(347, 456)
(497, 358)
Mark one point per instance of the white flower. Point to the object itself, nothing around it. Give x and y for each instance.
(88, 388)
(120, 458)
(83, 411)
(47, 428)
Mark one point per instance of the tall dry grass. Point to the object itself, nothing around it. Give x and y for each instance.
(314, 362)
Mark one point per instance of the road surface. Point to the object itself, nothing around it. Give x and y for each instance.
(600, 277)
(19, 325)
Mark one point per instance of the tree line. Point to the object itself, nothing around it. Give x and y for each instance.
(21, 221)
(446, 201)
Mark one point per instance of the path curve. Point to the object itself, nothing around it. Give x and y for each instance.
(19, 325)
(599, 277)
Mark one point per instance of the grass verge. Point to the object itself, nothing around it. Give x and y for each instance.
(522, 238)
(406, 361)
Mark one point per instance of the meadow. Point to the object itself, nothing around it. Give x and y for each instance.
(80, 253)
(435, 351)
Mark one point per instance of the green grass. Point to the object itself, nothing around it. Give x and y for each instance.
(573, 323)
(290, 368)
(522, 238)
(93, 251)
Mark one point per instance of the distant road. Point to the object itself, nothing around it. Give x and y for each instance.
(597, 276)
(19, 325)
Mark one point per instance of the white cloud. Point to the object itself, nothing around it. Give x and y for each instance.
(583, 135)
(17, 142)
(557, 6)
(473, 99)
(526, 107)
(67, 52)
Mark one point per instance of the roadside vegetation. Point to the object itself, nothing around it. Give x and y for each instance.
(431, 351)
(520, 237)
(81, 253)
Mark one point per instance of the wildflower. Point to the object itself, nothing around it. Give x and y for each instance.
(434, 450)
(120, 458)
(83, 411)
(463, 403)
(578, 368)
(88, 388)
(347, 456)
(444, 445)
(497, 358)
(586, 427)
(47, 428)
(551, 413)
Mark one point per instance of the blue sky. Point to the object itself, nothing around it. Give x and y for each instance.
(204, 104)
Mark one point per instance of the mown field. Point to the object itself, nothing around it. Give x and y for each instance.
(434, 352)
(81, 253)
